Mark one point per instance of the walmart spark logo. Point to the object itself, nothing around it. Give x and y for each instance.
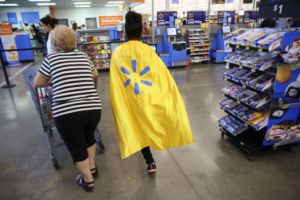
(138, 77)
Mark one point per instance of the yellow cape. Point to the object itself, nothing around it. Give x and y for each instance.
(147, 106)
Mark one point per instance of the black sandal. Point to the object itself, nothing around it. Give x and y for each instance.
(95, 172)
(85, 185)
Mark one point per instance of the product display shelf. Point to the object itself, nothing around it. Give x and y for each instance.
(198, 45)
(243, 77)
(265, 106)
(96, 44)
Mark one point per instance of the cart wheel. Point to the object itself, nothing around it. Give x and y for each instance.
(251, 157)
(55, 164)
(222, 135)
(101, 147)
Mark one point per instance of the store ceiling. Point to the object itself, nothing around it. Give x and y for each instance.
(62, 3)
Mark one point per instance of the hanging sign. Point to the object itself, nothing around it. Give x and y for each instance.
(30, 17)
(12, 17)
(250, 15)
(226, 17)
(196, 17)
(110, 20)
(163, 17)
(174, 1)
(279, 8)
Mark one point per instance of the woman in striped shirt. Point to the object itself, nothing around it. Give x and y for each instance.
(76, 105)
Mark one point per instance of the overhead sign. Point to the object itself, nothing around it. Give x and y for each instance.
(163, 17)
(110, 20)
(30, 17)
(196, 17)
(226, 17)
(250, 15)
(12, 17)
(174, 1)
(279, 8)
(138, 1)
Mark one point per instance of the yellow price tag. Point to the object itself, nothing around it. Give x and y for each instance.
(241, 67)
(247, 47)
(253, 70)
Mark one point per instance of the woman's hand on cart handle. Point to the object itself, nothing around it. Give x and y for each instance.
(41, 80)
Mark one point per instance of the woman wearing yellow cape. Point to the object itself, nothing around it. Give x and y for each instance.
(147, 106)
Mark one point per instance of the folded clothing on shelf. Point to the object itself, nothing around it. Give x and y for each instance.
(232, 125)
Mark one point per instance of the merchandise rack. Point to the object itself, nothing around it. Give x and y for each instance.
(198, 45)
(250, 137)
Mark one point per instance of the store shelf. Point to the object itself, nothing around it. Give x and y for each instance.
(261, 108)
(244, 121)
(246, 67)
(248, 87)
(199, 54)
(250, 143)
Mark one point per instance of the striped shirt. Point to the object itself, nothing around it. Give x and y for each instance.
(72, 80)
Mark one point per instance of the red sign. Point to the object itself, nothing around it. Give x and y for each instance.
(110, 20)
(5, 29)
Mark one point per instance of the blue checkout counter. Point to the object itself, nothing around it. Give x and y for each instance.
(22, 41)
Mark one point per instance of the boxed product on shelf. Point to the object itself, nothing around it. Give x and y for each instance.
(262, 82)
(237, 74)
(232, 125)
(293, 54)
(247, 78)
(271, 41)
(238, 56)
(259, 60)
(257, 120)
(257, 100)
(245, 96)
(228, 103)
(233, 90)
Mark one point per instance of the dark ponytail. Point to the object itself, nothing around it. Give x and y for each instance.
(133, 25)
(49, 20)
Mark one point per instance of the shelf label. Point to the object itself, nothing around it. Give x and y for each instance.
(247, 47)
(253, 70)
(241, 67)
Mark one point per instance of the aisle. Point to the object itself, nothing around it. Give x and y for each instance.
(211, 169)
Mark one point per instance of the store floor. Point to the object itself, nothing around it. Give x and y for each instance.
(211, 169)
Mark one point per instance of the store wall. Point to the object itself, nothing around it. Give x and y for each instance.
(78, 15)
(187, 5)
(3, 17)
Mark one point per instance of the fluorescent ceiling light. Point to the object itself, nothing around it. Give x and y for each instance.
(46, 4)
(82, 3)
(115, 2)
(8, 4)
(2, 0)
(39, 0)
(111, 5)
(82, 6)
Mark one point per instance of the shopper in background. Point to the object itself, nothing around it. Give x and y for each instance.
(268, 23)
(47, 24)
(28, 30)
(74, 26)
(147, 106)
(76, 106)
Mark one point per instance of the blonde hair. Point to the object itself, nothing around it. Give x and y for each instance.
(63, 39)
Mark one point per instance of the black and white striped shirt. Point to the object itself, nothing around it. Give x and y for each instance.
(72, 81)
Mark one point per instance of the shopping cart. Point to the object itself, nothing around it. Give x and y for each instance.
(42, 99)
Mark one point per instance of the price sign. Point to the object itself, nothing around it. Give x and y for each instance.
(279, 8)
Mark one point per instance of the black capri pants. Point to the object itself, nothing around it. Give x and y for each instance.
(77, 131)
